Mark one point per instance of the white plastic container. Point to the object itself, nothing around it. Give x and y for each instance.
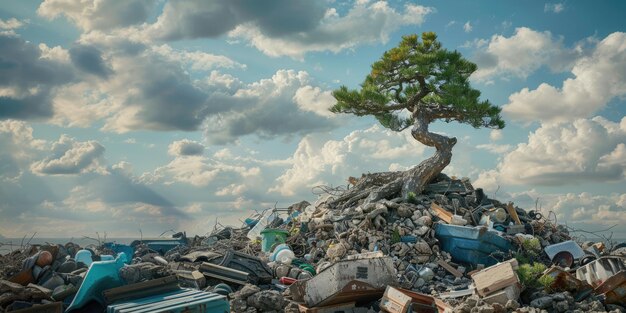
(267, 217)
(285, 256)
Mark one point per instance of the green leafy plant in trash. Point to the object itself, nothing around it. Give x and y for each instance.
(546, 281)
(411, 198)
(395, 236)
(529, 275)
(529, 252)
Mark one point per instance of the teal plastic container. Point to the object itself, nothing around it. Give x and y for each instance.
(271, 237)
(101, 276)
(471, 245)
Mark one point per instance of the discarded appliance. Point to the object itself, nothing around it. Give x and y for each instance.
(474, 245)
(346, 281)
(598, 271)
(569, 246)
(397, 300)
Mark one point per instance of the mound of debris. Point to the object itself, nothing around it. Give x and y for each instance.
(451, 248)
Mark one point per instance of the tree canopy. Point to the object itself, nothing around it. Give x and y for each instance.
(423, 78)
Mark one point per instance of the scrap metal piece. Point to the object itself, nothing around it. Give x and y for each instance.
(346, 281)
(614, 289)
(598, 271)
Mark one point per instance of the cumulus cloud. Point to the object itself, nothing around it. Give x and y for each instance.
(317, 161)
(313, 99)
(146, 90)
(198, 19)
(10, 24)
(56, 53)
(150, 88)
(71, 157)
(588, 150)
(270, 111)
(27, 80)
(597, 79)
(521, 54)
(185, 147)
(197, 60)
(98, 15)
(198, 171)
(364, 23)
(18, 147)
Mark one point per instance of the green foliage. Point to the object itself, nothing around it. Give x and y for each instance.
(529, 274)
(531, 250)
(419, 76)
(395, 236)
(532, 245)
(411, 197)
(545, 281)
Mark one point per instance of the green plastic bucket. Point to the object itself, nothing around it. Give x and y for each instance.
(271, 237)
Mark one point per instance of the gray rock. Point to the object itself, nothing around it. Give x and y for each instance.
(542, 303)
(424, 221)
(419, 283)
(238, 305)
(559, 297)
(267, 300)
(247, 291)
(404, 211)
(422, 230)
(561, 306)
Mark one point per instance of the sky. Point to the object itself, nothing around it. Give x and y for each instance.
(152, 115)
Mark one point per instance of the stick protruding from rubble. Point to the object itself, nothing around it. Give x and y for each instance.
(413, 85)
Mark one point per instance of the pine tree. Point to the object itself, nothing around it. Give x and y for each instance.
(413, 85)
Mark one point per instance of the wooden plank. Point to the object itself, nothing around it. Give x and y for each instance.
(513, 213)
(495, 278)
(441, 213)
(449, 268)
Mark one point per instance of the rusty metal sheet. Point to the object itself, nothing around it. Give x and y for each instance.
(614, 288)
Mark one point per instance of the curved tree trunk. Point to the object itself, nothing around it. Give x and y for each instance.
(415, 179)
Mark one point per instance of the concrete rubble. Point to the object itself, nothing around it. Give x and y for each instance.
(451, 249)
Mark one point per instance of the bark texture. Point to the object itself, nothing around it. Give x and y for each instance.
(377, 186)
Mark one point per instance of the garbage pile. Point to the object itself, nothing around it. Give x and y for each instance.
(449, 249)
